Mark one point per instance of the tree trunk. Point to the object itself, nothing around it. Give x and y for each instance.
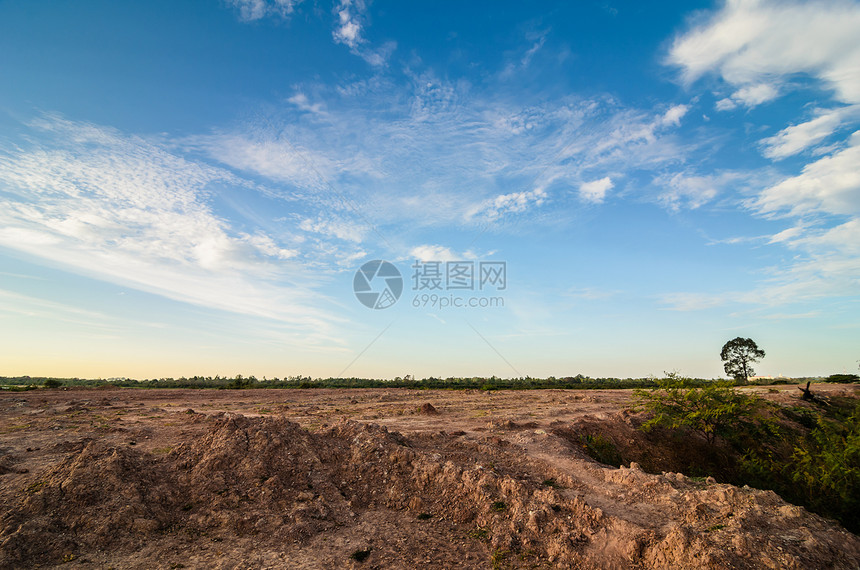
(807, 393)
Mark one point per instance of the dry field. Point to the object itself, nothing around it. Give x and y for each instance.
(124, 478)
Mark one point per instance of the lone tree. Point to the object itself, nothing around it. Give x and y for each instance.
(738, 356)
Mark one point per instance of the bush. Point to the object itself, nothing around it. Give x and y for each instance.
(52, 383)
(820, 470)
(711, 411)
(601, 449)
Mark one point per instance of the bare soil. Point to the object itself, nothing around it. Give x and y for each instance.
(125, 478)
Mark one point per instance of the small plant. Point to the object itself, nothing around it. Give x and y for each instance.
(601, 449)
(550, 483)
(360, 555)
(479, 533)
(498, 558)
(499, 506)
(33, 488)
(425, 516)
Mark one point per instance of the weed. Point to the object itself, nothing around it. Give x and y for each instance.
(425, 516)
(499, 506)
(498, 558)
(480, 533)
(601, 449)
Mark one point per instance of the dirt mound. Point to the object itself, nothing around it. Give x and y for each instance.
(428, 410)
(271, 493)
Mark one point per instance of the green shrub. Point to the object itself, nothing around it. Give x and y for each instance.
(601, 449)
(711, 411)
(819, 470)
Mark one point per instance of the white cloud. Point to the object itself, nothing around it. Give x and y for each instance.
(301, 101)
(829, 185)
(348, 29)
(434, 253)
(683, 190)
(796, 138)
(595, 191)
(275, 158)
(787, 235)
(337, 227)
(530, 53)
(747, 41)
(250, 10)
(125, 210)
(673, 116)
(515, 202)
(726, 105)
(762, 49)
(750, 96)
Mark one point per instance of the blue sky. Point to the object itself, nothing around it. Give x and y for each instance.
(189, 188)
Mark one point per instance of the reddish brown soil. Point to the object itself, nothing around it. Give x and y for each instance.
(124, 478)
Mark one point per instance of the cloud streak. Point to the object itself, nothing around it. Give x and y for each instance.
(126, 210)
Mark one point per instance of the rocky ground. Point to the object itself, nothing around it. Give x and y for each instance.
(124, 478)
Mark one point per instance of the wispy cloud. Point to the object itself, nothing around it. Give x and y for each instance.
(126, 210)
(250, 10)
(349, 31)
(434, 153)
(348, 28)
(797, 138)
(430, 252)
(685, 190)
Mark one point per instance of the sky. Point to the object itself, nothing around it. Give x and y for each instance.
(605, 188)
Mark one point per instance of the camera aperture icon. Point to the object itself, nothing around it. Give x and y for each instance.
(377, 284)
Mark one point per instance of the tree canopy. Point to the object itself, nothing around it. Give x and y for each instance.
(738, 356)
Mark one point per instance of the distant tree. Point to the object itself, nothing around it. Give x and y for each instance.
(843, 378)
(738, 356)
(52, 383)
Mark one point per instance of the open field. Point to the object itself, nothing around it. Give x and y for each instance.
(371, 478)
